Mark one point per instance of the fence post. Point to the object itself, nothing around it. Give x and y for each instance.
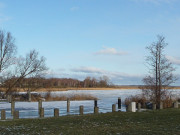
(95, 103)
(3, 114)
(9, 98)
(29, 95)
(56, 112)
(176, 104)
(16, 115)
(12, 107)
(81, 110)
(161, 105)
(39, 106)
(128, 108)
(114, 108)
(119, 103)
(154, 106)
(139, 106)
(68, 105)
(96, 110)
(131, 107)
(42, 113)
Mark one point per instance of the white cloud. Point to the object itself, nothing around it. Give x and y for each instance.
(173, 60)
(74, 8)
(88, 70)
(110, 51)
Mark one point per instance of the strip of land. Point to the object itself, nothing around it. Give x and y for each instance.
(125, 87)
(160, 122)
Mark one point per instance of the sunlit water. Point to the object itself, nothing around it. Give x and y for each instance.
(105, 100)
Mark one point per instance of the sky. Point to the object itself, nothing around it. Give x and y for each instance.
(81, 38)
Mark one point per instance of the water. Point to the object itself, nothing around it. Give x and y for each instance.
(106, 99)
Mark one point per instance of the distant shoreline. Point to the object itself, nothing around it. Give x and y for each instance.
(110, 88)
(72, 88)
(66, 89)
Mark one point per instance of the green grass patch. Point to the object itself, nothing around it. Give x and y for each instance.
(119, 123)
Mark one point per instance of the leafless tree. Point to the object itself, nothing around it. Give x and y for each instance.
(160, 72)
(7, 50)
(30, 66)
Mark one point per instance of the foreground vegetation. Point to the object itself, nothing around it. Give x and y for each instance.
(151, 122)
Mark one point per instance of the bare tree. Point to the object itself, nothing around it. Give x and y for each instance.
(7, 50)
(30, 66)
(161, 72)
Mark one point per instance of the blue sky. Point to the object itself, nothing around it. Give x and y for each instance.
(81, 38)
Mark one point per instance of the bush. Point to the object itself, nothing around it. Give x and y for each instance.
(168, 101)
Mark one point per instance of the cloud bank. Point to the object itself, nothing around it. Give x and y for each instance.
(117, 78)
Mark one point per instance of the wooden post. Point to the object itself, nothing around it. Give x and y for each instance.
(96, 110)
(29, 95)
(154, 106)
(119, 103)
(39, 106)
(56, 112)
(42, 113)
(131, 107)
(81, 110)
(16, 115)
(176, 104)
(12, 107)
(114, 108)
(68, 105)
(9, 98)
(3, 114)
(128, 108)
(161, 105)
(139, 106)
(95, 103)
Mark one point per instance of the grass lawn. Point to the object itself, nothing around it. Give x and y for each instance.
(119, 123)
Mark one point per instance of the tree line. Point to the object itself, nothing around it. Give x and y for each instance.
(34, 83)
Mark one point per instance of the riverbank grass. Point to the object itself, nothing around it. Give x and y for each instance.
(152, 122)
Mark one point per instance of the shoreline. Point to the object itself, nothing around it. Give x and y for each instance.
(67, 89)
(70, 88)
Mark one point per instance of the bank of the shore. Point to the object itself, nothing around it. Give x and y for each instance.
(160, 122)
(73, 88)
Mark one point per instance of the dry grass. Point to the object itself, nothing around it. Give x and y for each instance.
(49, 97)
(72, 97)
(137, 99)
